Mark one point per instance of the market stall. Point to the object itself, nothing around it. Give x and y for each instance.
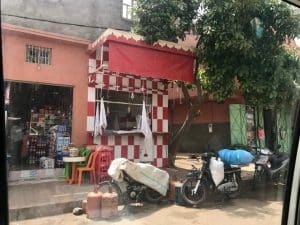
(128, 94)
(38, 125)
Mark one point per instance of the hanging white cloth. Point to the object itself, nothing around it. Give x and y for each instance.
(147, 153)
(100, 119)
(7, 94)
(97, 127)
(103, 121)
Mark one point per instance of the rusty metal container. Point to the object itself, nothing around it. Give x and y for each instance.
(171, 191)
(93, 205)
(109, 204)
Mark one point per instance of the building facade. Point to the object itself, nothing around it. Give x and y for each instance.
(54, 82)
(62, 17)
(46, 86)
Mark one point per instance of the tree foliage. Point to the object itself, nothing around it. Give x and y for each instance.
(165, 19)
(240, 44)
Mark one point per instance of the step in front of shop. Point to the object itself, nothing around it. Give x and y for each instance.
(32, 199)
(37, 174)
(43, 210)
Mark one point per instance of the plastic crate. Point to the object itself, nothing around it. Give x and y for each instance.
(102, 169)
(101, 178)
(105, 156)
(102, 164)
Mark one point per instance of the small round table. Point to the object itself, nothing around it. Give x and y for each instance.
(73, 161)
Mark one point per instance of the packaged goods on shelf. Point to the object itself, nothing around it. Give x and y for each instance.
(46, 163)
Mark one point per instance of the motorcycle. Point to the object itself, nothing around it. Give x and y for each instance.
(270, 167)
(134, 191)
(199, 183)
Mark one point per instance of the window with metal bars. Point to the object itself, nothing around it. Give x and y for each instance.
(39, 55)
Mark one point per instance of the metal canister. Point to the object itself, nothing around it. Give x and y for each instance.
(109, 204)
(178, 197)
(171, 191)
(74, 152)
(93, 205)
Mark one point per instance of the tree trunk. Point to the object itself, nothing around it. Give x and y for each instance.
(179, 135)
(193, 111)
(270, 128)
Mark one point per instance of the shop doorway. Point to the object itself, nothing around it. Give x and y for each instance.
(38, 125)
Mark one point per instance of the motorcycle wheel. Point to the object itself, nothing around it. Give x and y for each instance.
(281, 177)
(186, 191)
(238, 191)
(152, 196)
(122, 196)
(260, 179)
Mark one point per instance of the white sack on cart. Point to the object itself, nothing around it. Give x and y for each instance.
(115, 170)
(146, 174)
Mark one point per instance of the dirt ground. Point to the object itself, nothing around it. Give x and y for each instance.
(252, 207)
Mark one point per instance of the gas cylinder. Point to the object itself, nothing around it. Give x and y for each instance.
(109, 204)
(93, 205)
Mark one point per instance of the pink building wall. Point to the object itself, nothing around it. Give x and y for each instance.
(69, 67)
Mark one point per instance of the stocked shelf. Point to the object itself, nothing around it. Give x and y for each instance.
(49, 136)
(42, 121)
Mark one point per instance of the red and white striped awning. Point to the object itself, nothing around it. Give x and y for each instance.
(125, 52)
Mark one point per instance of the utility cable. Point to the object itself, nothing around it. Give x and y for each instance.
(58, 22)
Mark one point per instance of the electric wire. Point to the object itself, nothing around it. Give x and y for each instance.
(58, 22)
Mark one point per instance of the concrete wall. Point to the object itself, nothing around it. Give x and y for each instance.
(69, 68)
(98, 13)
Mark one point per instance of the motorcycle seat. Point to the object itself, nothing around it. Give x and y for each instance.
(231, 168)
(266, 152)
(239, 166)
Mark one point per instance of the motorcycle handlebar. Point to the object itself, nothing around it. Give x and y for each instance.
(208, 155)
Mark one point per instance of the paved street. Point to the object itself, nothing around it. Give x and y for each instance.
(237, 212)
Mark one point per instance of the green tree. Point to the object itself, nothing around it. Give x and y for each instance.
(240, 46)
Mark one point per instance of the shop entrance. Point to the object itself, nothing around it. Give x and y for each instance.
(38, 125)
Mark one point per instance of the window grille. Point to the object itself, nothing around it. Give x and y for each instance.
(39, 55)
